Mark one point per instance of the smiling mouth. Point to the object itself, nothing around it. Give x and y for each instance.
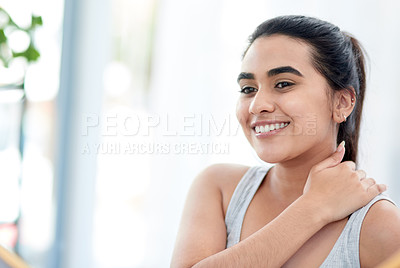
(270, 127)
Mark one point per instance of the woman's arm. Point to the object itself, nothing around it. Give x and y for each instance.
(380, 234)
(202, 234)
(332, 192)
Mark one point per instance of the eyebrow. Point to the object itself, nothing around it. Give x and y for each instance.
(284, 69)
(245, 76)
(272, 72)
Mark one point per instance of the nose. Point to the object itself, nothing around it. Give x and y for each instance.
(263, 101)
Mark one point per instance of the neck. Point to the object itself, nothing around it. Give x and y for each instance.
(287, 179)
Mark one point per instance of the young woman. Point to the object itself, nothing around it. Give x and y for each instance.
(302, 88)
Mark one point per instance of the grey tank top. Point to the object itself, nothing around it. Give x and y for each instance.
(345, 252)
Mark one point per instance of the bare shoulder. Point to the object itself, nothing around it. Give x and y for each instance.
(202, 230)
(380, 233)
(226, 176)
(223, 171)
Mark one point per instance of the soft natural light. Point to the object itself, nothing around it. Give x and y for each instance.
(11, 96)
(27, 123)
(19, 41)
(139, 111)
(117, 79)
(9, 184)
(37, 204)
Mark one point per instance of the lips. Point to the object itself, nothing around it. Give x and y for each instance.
(270, 127)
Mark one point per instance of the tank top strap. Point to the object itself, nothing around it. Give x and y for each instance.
(346, 251)
(241, 198)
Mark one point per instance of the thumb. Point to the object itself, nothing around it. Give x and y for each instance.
(334, 159)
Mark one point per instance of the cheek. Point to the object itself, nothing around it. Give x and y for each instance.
(310, 113)
(295, 107)
(303, 105)
(242, 111)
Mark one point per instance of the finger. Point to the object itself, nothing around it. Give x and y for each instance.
(382, 188)
(361, 174)
(350, 164)
(376, 189)
(367, 183)
(334, 158)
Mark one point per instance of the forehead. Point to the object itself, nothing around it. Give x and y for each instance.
(277, 50)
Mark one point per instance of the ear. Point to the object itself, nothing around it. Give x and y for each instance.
(343, 104)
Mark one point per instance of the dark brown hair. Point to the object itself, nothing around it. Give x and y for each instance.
(336, 55)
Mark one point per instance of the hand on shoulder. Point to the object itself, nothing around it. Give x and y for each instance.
(337, 188)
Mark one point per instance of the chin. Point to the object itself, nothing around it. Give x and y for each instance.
(271, 157)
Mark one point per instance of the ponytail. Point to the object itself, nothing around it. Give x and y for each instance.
(349, 131)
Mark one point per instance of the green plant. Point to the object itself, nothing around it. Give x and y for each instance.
(7, 26)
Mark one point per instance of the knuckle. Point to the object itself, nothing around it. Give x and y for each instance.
(355, 176)
(373, 190)
(345, 166)
(350, 164)
(361, 173)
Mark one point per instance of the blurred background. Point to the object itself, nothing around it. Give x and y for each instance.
(102, 135)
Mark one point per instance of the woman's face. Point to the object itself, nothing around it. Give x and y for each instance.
(284, 108)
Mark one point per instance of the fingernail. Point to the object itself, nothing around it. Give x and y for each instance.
(341, 146)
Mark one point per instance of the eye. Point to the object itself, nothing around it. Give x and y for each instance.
(284, 84)
(247, 90)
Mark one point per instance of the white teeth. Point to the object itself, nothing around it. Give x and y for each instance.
(268, 128)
